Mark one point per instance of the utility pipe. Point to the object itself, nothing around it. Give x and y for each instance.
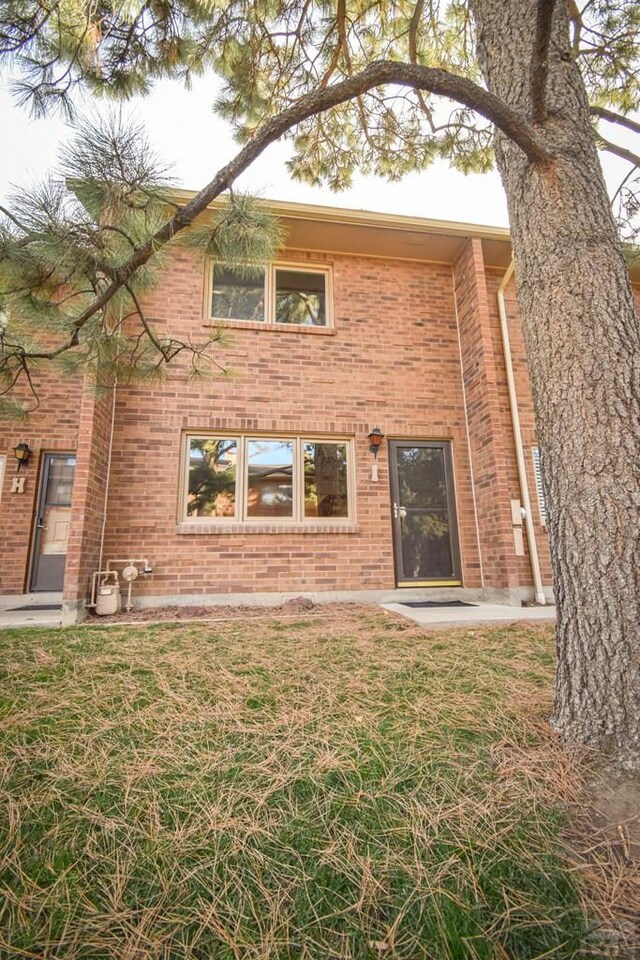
(517, 436)
(108, 476)
(92, 600)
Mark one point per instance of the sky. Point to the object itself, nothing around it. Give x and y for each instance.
(185, 133)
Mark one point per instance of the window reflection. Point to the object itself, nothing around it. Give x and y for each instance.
(325, 479)
(236, 297)
(427, 551)
(60, 481)
(422, 477)
(300, 298)
(426, 545)
(269, 478)
(245, 478)
(212, 478)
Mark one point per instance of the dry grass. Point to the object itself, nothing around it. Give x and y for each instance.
(326, 787)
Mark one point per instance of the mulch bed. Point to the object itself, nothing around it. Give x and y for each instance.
(294, 607)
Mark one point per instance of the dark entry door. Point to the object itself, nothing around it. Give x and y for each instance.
(425, 529)
(52, 521)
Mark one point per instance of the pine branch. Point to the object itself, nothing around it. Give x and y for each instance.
(575, 18)
(618, 118)
(617, 150)
(381, 72)
(341, 43)
(160, 347)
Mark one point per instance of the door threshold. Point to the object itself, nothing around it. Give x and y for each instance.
(429, 583)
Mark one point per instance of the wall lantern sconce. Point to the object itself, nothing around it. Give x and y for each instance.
(375, 439)
(22, 454)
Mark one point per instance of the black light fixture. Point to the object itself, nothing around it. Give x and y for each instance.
(375, 439)
(22, 454)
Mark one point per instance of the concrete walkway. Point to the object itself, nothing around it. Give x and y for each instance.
(31, 616)
(471, 616)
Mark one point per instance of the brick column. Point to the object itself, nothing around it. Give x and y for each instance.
(483, 372)
(87, 509)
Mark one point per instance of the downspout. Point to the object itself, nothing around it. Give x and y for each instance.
(517, 437)
(108, 476)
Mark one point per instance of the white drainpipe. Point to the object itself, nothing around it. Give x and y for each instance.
(517, 436)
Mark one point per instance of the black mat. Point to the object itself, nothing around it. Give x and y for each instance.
(436, 603)
(36, 606)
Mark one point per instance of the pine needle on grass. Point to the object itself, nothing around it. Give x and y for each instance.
(336, 787)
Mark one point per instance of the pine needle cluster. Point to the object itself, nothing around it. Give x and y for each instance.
(67, 243)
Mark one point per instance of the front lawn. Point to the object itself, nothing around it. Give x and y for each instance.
(343, 785)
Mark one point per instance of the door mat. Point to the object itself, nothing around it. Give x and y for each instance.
(36, 606)
(436, 603)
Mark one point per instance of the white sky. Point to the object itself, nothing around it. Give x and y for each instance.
(182, 128)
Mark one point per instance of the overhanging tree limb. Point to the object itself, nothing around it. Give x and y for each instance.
(618, 118)
(418, 77)
(619, 151)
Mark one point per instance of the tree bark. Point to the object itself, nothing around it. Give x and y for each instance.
(583, 345)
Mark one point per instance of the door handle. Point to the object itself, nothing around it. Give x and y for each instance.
(399, 511)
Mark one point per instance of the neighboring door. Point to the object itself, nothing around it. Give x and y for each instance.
(425, 531)
(53, 517)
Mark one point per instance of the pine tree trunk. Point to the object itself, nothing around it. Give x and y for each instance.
(583, 343)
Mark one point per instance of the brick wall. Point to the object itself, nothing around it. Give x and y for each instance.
(88, 504)
(391, 361)
(487, 404)
(53, 427)
(415, 350)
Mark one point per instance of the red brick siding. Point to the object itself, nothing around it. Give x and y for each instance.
(52, 427)
(392, 362)
(89, 491)
(485, 391)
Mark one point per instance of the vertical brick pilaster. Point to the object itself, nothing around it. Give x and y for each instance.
(481, 365)
(88, 497)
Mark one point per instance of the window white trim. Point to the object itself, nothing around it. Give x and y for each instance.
(3, 461)
(269, 321)
(241, 517)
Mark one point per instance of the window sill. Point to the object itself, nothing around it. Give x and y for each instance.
(269, 327)
(216, 528)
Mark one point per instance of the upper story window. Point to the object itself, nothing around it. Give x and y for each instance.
(282, 295)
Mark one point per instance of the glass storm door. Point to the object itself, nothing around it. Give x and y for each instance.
(52, 522)
(425, 530)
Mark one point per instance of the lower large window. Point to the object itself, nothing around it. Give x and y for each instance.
(267, 479)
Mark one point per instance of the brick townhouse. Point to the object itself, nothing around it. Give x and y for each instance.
(264, 482)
